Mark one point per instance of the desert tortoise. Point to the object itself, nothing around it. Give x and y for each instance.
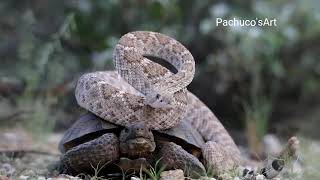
(92, 141)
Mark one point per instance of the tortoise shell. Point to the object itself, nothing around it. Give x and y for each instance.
(89, 127)
(182, 134)
(86, 128)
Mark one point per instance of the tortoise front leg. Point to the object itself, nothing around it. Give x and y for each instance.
(174, 156)
(92, 154)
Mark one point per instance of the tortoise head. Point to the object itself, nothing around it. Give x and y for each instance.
(136, 140)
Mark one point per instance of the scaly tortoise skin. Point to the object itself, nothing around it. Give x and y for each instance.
(91, 142)
(144, 91)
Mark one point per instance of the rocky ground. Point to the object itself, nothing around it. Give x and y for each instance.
(25, 157)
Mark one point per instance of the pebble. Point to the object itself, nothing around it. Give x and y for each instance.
(22, 177)
(7, 169)
(172, 175)
(271, 145)
(260, 177)
(64, 177)
(135, 178)
(41, 178)
(207, 178)
(226, 176)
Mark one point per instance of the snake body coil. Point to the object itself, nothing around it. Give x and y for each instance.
(142, 90)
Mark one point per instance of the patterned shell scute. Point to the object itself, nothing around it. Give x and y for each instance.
(84, 129)
(184, 131)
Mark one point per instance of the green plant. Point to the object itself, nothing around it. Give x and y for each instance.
(39, 103)
(154, 172)
(256, 118)
(96, 173)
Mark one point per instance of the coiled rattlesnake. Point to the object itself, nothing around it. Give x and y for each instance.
(142, 90)
(122, 97)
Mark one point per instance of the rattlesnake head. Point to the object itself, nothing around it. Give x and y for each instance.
(157, 100)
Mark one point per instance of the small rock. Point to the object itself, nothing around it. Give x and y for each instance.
(135, 178)
(225, 176)
(7, 169)
(41, 178)
(260, 177)
(271, 145)
(246, 172)
(172, 175)
(207, 178)
(4, 178)
(64, 177)
(22, 177)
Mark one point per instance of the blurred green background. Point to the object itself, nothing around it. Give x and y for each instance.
(255, 79)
